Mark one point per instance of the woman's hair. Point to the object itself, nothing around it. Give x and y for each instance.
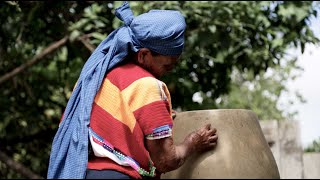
(131, 54)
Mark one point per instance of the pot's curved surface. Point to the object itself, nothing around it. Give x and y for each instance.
(241, 152)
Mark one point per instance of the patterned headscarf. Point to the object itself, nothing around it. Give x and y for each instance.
(161, 31)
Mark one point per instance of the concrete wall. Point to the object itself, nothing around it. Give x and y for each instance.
(290, 150)
(311, 165)
(271, 133)
(284, 140)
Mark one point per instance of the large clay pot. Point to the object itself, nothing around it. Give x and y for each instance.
(241, 152)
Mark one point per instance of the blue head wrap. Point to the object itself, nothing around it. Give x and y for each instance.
(161, 31)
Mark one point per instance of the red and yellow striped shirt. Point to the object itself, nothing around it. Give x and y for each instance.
(131, 105)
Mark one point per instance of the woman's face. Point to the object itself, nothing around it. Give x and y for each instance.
(158, 65)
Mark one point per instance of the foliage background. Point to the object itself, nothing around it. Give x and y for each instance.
(235, 57)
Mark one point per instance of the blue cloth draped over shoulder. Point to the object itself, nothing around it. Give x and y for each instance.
(161, 31)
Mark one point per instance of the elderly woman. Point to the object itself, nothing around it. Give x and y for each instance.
(121, 110)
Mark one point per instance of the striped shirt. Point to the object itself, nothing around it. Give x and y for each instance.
(131, 106)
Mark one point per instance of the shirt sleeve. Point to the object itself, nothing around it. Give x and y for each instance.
(151, 106)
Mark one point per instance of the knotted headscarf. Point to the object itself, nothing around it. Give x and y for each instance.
(161, 31)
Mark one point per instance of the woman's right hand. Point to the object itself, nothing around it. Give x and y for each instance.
(203, 139)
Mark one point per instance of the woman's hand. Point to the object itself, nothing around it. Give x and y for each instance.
(202, 139)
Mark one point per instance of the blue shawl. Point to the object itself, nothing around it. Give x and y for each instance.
(161, 31)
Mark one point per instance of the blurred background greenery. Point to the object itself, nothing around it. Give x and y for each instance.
(234, 57)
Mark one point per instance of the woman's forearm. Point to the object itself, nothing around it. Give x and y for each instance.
(168, 157)
(173, 156)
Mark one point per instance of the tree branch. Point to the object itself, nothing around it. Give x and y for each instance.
(84, 40)
(34, 60)
(18, 167)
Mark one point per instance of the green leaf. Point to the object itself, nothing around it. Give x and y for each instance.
(228, 10)
(74, 34)
(277, 42)
(220, 57)
(212, 28)
(287, 11)
(99, 36)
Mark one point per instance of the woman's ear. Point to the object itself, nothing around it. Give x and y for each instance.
(143, 55)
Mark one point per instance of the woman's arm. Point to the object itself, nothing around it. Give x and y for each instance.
(167, 156)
